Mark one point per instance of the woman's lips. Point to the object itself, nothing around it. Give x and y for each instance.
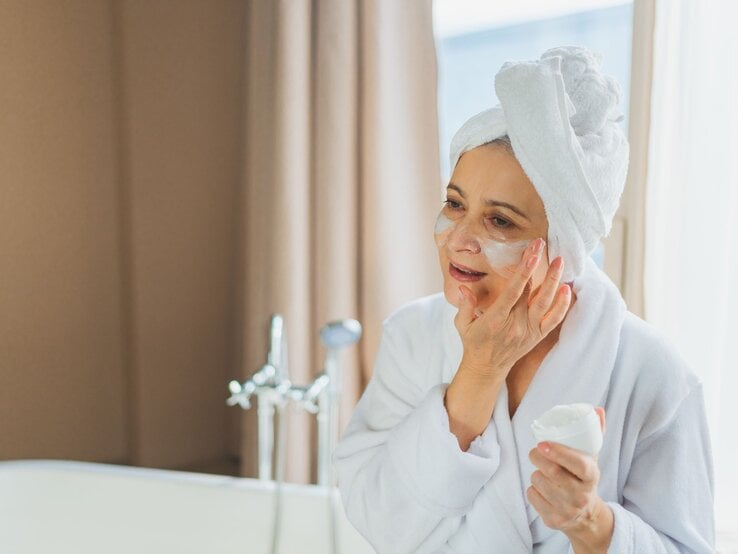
(460, 275)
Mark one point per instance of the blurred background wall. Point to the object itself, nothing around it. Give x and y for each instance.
(174, 171)
(120, 149)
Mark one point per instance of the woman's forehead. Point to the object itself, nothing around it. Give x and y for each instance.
(489, 172)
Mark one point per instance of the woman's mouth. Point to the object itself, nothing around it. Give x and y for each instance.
(464, 274)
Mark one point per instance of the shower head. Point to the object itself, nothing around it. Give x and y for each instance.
(340, 333)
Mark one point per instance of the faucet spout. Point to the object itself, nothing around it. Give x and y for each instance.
(277, 356)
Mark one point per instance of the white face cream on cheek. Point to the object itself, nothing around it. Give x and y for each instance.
(504, 257)
(442, 229)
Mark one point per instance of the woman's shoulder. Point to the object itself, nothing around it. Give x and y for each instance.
(653, 368)
(656, 351)
(418, 322)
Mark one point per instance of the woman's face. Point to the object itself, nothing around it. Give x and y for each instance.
(476, 232)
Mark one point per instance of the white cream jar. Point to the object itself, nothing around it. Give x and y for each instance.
(574, 425)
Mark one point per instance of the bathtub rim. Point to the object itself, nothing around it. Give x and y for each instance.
(171, 475)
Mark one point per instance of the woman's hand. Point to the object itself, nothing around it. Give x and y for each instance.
(510, 328)
(564, 493)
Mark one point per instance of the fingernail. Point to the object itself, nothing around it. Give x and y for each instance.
(461, 295)
(539, 245)
(544, 446)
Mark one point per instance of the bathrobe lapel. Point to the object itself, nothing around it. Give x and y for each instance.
(504, 522)
(576, 369)
(509, 496)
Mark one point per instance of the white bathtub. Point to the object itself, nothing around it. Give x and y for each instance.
(62, 507)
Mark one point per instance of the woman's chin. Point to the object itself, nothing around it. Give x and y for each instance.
(454, 301)
(452, 294)
(451, 291)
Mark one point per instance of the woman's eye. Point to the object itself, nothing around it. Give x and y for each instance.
(499, 222)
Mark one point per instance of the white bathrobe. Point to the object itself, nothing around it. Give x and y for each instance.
(408, 487)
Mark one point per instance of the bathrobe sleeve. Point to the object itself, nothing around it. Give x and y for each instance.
(668, 495)
(404, 481)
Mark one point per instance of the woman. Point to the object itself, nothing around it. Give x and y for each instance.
(439, 455)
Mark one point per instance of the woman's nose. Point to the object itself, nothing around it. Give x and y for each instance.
(462, 237)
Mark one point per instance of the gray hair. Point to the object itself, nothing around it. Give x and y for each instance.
(504, 141)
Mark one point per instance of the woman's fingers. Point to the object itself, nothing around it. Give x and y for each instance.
(549, 467)
(467, 305)
(601, 412)
(522, 302)
(510, 296)
(564, 487)
(541, 303)
(581, 465)
(558, 310)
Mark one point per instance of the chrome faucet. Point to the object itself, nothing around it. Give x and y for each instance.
(272, 387)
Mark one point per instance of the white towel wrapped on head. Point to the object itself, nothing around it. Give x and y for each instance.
(561, 114)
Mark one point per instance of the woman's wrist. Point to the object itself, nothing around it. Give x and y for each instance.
(593, 535)
(484, 372)
(469, 402)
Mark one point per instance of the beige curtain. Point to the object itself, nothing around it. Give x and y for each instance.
(340, 187)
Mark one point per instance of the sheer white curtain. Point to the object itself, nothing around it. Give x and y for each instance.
(691, 260)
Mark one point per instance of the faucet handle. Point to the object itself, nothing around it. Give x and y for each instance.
(240, 393)
(307, 396)
(265, 376)
(310, 398)
(309, 405)
(300, 395)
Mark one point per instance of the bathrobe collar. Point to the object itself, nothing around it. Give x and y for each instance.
(576, 369)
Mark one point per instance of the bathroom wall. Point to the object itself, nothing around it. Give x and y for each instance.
(120, 153)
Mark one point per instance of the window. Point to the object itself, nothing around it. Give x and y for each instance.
(475, 37)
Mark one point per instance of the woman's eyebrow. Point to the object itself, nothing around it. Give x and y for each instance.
(491, 202)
